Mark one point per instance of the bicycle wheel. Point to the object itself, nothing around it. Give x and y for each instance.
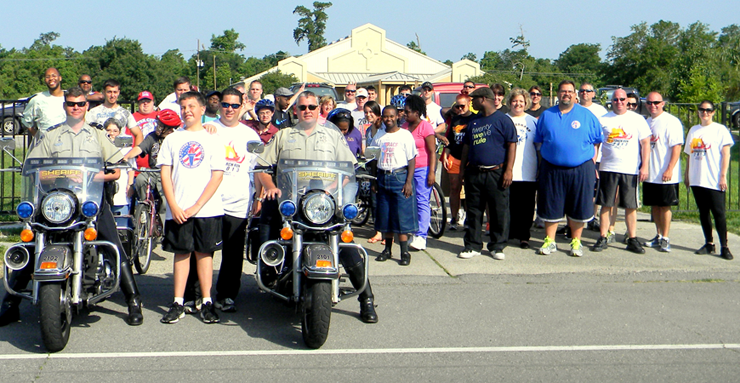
(438, 212)
(142, 254)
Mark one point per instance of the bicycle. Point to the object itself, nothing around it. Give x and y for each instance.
(437, 212)
(147, 226)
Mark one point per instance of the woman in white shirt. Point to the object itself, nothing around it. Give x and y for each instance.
(524, 185)
(708, 146)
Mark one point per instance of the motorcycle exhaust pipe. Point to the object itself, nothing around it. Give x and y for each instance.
(273, 255)
(16, 257)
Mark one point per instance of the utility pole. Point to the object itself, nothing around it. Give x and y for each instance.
(214, 72)
(197, 65)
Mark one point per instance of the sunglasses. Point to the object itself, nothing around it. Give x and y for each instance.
(653, 102)
(226, 105)
(78, 104)
(632, 104)
(469, 86)
(309, 107)
(85, 82)
(618, 99)
(535, 94)
(706, 110)
(586, 91)
(462, 106)
(350, 91)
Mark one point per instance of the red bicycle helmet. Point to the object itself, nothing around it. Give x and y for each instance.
(169, 118)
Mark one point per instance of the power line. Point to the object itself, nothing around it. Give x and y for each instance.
(51, 59)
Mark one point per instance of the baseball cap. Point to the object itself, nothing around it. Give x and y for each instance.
(427, 84)
(283, 92)
(211, 93)
(362, 92)
(145, 95)
(483, 92)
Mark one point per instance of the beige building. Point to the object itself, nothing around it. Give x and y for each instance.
(367, 57)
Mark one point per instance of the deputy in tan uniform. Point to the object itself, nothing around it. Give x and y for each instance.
(311, 141)
(75, 138)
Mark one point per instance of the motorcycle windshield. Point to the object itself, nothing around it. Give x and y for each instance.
(296, 178)
(42, 176)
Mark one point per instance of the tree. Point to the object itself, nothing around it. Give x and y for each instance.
(470, 56)
(580, 58)
(311, 25)
(414, 46)
(227, 42)
(276, 79)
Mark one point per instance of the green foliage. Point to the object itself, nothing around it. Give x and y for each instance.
(276, 79)
(311, 25)
(227, 42)
(470, 56)
(580, 59)
(414, 46)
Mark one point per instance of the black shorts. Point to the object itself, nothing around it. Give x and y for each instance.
(196, 234)
(627, 184)
(566, 191)
(659, 194)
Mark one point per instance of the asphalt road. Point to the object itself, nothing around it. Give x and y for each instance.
(612, 316)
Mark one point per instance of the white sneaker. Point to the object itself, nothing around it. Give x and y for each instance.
(499, 255)
(467, 254)
(419, 243)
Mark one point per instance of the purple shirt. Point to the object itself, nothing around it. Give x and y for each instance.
(354, 140)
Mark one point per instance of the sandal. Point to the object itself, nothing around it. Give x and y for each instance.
(382, 242)
(374, 240)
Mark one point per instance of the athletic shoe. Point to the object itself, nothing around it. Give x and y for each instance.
(419, 243)
(626, 238)
(548, 247)
(634, 246)
(593, 225)
(208, 314)
(539, 223)
(176, 312)
(576, 250)
(654, 242)
(468, 253)
(610, 237)
(193, 307)
(708, 248)
(665, 245)
(225, 305)
(725, 252)
(498, 255)
(454, 226)
(601, 245)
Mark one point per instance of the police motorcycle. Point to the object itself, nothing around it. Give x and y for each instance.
(317, 205)
(61, 199)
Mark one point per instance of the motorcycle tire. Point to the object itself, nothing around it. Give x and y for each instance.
(316, 310)
(363, 214)
(55, 314)
(437, 212)
(142, 254)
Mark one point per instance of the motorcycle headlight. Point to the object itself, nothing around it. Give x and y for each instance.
(318, 208)
(58, 207)
(24, 210)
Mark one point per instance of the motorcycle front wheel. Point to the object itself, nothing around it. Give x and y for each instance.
(363, 214)
(55, 314)
(316, 313)
(142, 254)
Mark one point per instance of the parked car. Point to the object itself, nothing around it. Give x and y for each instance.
(446, 92)
(321, 89)
(734, 114)
(11, 112)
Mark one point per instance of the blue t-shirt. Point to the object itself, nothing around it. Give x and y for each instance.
(488, 138)
(568, 139)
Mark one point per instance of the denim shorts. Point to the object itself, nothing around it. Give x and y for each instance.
(396, 213)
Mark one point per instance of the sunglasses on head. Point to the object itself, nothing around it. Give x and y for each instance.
(226, 105)
(78, 104)
(309, 107)
(85, 82)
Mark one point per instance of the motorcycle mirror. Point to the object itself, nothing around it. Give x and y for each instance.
(124, 142)
(372, 152)
(7, 143)
(255, 147)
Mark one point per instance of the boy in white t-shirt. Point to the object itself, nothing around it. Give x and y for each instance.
(192, 165)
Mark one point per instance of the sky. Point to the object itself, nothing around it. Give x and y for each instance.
(446, 29)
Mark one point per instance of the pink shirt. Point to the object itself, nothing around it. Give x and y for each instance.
(421, 132)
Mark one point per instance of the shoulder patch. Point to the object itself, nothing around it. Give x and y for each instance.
(54, 127)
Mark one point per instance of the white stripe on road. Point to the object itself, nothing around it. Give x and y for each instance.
(441, 350)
